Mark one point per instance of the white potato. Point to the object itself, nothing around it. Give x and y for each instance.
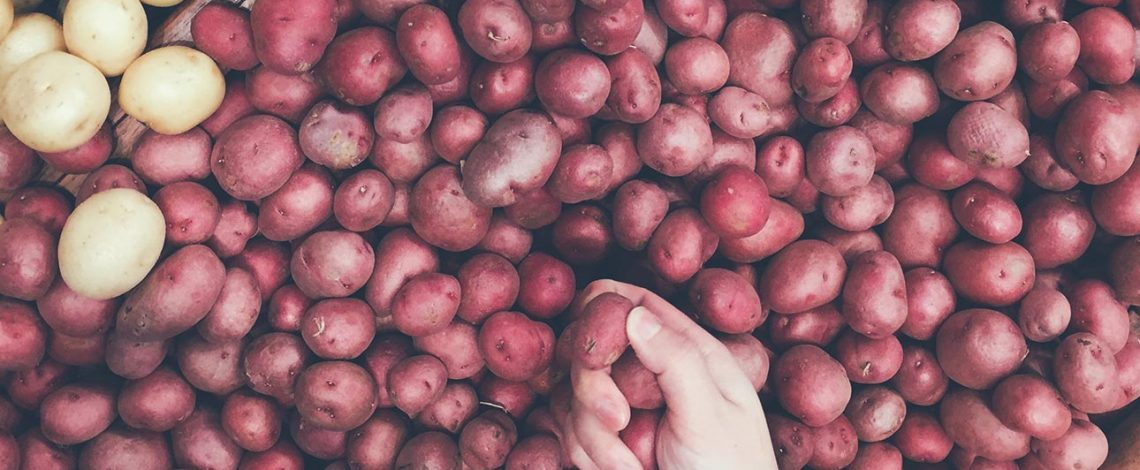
(55, 102)
(172, 89)
(31, 35)
(162, 3)
(110, 242)
(108, 33)
(7, 15)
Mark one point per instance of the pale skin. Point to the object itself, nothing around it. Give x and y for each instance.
(713, 417)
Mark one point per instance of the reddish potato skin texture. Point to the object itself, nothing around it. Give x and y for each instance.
(735, 202)
(224, 33)
(85, 158)
(1085, 373)
(315, 441)
(77, 412)
(200, 442)
(1029, 404)
(987, 213)
(271, 362)
(19, 163)
(426, 304)
(867, 207)
(686, 17)
(114, 449)
(674, 140)
(987, 136)
(1111, 204)
(455, 130)
(517, 154)
(496, 88)
(920, 380)
(486, 440)
(638, 208)
(46, 205)
(978, 64)
(515, 398)
(415, 382)
(811, 385)
(682, 243)
(507, 239)
(497, 30)
(835, 445)
(429, 450)
(877, 456)
(840, 19)
(1059, 228)
(457, 347)
(876, 413)
(583, 173)
(546, 286)
(636, 383)
(918, 30)
(248, 175)
(376, 443)
(335, 135)
(979, 347)
(932, 164)
(174, 297)
(108, 177)
(284, 455)
(156, 402)
(210, 367)
(752, 357)
(191, 211)
(868, 361)
(793, 441)
(635, 90)
(338, 328)
(515, 347)
(1123, 273)
(874, 295)
(1094, 140)
(359, 66)
(820, 71)
(252, 421)
(696, 66)
(930, 300)
(29, 265)
(29, 385)
(968, 420)
(1048, 51)
(819, 326)
(1107, 42)
(134, 359)
(922, 439)
(488, 284)
(610, 30)
(344, 405)
(794, 266)
(840, 160)
(289, 36)
(1044, 314)
(599, 335)
(267, 261)
(441, 213)
(1083, 446)
(725, 301)
(235, 105)
(537, 452)
(363, 200)
(780, 162)
(998, 275)
(428, 44)
(299, 206)
(236, 226)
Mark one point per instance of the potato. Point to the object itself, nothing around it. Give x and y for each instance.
(335, 395)
(832, 112)
(224, 33)
(793, 442)
(599, 335)
(548, 10)
(1093, 124)
(978, 64)
(200, 442)
(735, 202)
(431, 449)
(363, 200)
(1023, 14)
(997, 275)
(291, 36)
(85, 158)
(497, 88)
(426, 304)
(315, 441)
(878, 455)
(171, 77)
(255, 157)
(582, 235)
(191, 212)
(636, 383)
(682, 243)
(415, 382)
(77, 351)
(876, 413)
(840, 19)
(546, 285)
(376, 443)
(488, 284)
(268, 262)
(23, 340)
(336, 136)
(840, 160)
(874, 295)
(609, 30)
(403, 163)
(696, 66)
(497, 30)
(572, 83)
(28, 266)
(20, 163)
(1107, 45)
(978, 347)
(920, 227)
(110, 34)
(428, 44)
(920, 380)
(120, 448)
(919, 30)
(673, 140)
(1086, 373)
(930, 299)
(921, 438)
(166, 159)
(1083, 446)
(48, 78)
(884, 88)
(338, 328)
(286, 96)
(332, 264)
(584, 172)
(635, 90)
(455, 130)
(458, 89)
(507, 239)
(553, 35)
(515, 347)
(1048, 51)
(780, 162)
(725, 301)
(486, 440)
(156, 402)
(120, 218)
(386, 351)
(252, 421)
(1029, 404)
(987, 213)
(211, 367)
(455, 406)
(982, 134)
(794, 266)
(77, 412)
(867, 207)
(1059, 229)
(811, 385)
(271, 362)
(30, 35)
(819, 326)
(835, 445)
(1047, 100)
(932, 164)
(638, 208)
(108, 177)
(820, 71)
(174, 297)
(867, 360)
(134, 359)
(537, 452)
(400, 255)
(969, 421)
(286, 307)
(534, 209)
(69, 313)
(485, 179)
(441, 212)
(236, 104)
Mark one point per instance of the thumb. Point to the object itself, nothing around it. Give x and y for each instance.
(674, 356)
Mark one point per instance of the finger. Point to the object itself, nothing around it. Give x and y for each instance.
(677, 359)
(596, 391)
(603, 446)
(574, 451)
(665, 310)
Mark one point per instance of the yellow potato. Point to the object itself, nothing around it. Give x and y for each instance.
(172, 89)
(55, 102)
(110, 242)
(31, 35)
(162, 3)
(7, 15)
(108, 33)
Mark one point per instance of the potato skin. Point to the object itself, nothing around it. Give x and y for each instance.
(515, 347)
(271, 362)
(497, 30)
(1096, 124)
(867, 360)
(978, 347)
(635, 89)
(400, 255)
(1107, 44)
(682, 243)
(115, 448)
(335, 136)
(486, 440)
(795, 265)
(918, 30)
(457, 347)
(156, 402)
(921, 438)
(338, 328)
(1085, 373)
(840, 19)
(987, 213)
(49, 206)
(725, 301)
(455, 130)
(599, 335)
(821, 69)
(874, 294)
(920, 380)
(200, 442)
(793, 441)
(415, 382)
(734, 202)
(428, 44)
(611, 30)
(1029, 404)
(537, 452)
(248, 175)
(638, 209)
(252, 421)
(876, 413)
(69, 313)
(290, 36)
(996, 275)
(376, 443)
(920, 227)
(28, 259)
(811, 385)
(1048, 51)
(968, 420)
(840, 160)
(431, 449)
(225, 34)
(1083, 446)
(517, 154)
(674, 140)
(978, 64)
(441, 212)
(346, 405)
(359, 66)
(174, 297)
(636, 383)
(77, 412)
(23, 340)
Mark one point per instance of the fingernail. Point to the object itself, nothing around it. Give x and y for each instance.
(643, 324)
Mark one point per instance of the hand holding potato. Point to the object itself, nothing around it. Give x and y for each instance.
(713, 418)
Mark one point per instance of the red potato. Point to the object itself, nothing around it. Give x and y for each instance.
(840, 160)
(1096, 310)
(335, 395)
(900, 93)
(488, 284)
(1110, 207)
(816, 270)
(985, 135)
(1044, 314)
(1022, 14)
(250, 175)
(697, 65)
(335, 136)
(573, 131)
(978, 64)
(386, 351)
(455, 130)
(315, 441)
(338, 328)
(920, 227)
(115, 448)
(28, 386)
(134, 359)
(359, 66)
(919, 30)
(157, 402)
(1059, 229)
(28, 261)
(987, 213)
(497, 30)
(609, 30)
(363, 200)
(23, 339)
(224, 33)
(891, 141)
(740, 113)
(728, 151)
(507, 239)
(599, 333)
(635, 89)
(992, 274)
(236, 226)
(20, 164)
(428, 44)
(441, 212)
(403, 163)
(1047, 100)
(840, 19)
(869, 361)
(920, 380)
(252, 421)
(200, 442)
(1083, 446)
(879, 455)
(930, 300)
(832, 112)
(869, 47)
(426, 304)
(456, 89)
(725, 301)
(1048, 51)
(284, 455)
(486, 440)
(429, 450)
(1029, 404)
(191, 211)
(403, 114)
(494, 174)
(400, 255)
(548, 10)
(752, 357)
(497, 88)
(969, 421)
(415, 382)
(793, 442)
(576, 94)
(682, 243)
(537, 452)
(921, 438)
(1107, 45)
(932, 164)
(636, 383)
(811, 385)
(85, 158)
(780, 162)
(1096, 123)
(290, 36)
(286, 96)
(175, 296)
(73, 351)
(376, 443)
(268, 262)
(50, 206)
(514, 398)
(850, 244)
(271, 362)
(735, 202)
(235, 105)
(761, 50)
(686, 17)
(515, 347)
(582, 235)
(553, 35)
(210, 367)
(876, 413)
(874, 295)
(108, 177)
(835, 445)
(1122, 271)
(820, 71)
(77, 412)
(1014, 102)
(978, 347)
(641, 436)
(546, 285)
(457, 346)
(584, 172)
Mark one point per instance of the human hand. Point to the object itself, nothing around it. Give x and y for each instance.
(713, 417)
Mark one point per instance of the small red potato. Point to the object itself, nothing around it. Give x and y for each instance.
(876, 413)
(599, 333)
(696, 66)
(636, 383)
(400, 255)
(918, 30)
(548, 11)
(978, 64)
(920, 380)
(969, 421)
(455, 130)
(19, 162)
(497, 88)
(682, 243)
(820, 71)
(429, 450)
(268, 262)
(200, 442)
(113, 449)
(134, 359)
(210, 367)
(584, 172)
(77, 412)
(932, 164)
(514, 398)
(553, 35)
(572, 83)
(403, 163)
(867, 360)
(987, 213)
(1059, 228)
(609, 30)
(428, 44)
(878, 455)
(47, 205)
(284, 455)
(360, 65)
(780, 162)
(840, 161)
(28, 259)
(635, 89)
(1021, 15)
(867, 207)
(793, 442)
(922, 439)
(287, 96)
(338, 328)
(1029, 404)
(363, 200)
(840, 19)
(518, 153)
(290, 36)
(1107, 42)
(386, 351)
(930, 300)
(191, 211)
(335, 395)
(900, 93)
(1044, 314)
(537, 452)
(832, 112)
(811, 385)
(225, 34)
(255, 156)
(316, 441)
(157, 402)
(686, 17)
(740, 113)
(1093, 139)
(108, 177)
(236, 226)
(1047, 52)
(920, 227)
(73, 351)
(497, 30)
(515, 347)
(835, 445)
(1047, 100)
(1110, 204)
(271, 362)
(985, 135)
(376, 443)
(978, 347)
(72, 314)
(416, 382)
(850, 244)
(486, 440)
(426, 304)
(1085, 373)
(28, 386)
(441, 212)
(996, 275)
(457, 346)
(235, 105)
(488, 284)
(638, 209)
(507, 239)
(252, 421)
(85, 158)
(674, 140)
(1083, 446)
(725, 301)
(177, 294)
(815, 269)
(299, 206)
(335, 136)
(403, 114)
(874, 294)
(735, 202)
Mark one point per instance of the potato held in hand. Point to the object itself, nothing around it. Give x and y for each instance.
(129, 230)
(32, 94)
(171, 89)
(599, 336)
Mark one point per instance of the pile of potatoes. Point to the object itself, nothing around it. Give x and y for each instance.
(354, 233)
